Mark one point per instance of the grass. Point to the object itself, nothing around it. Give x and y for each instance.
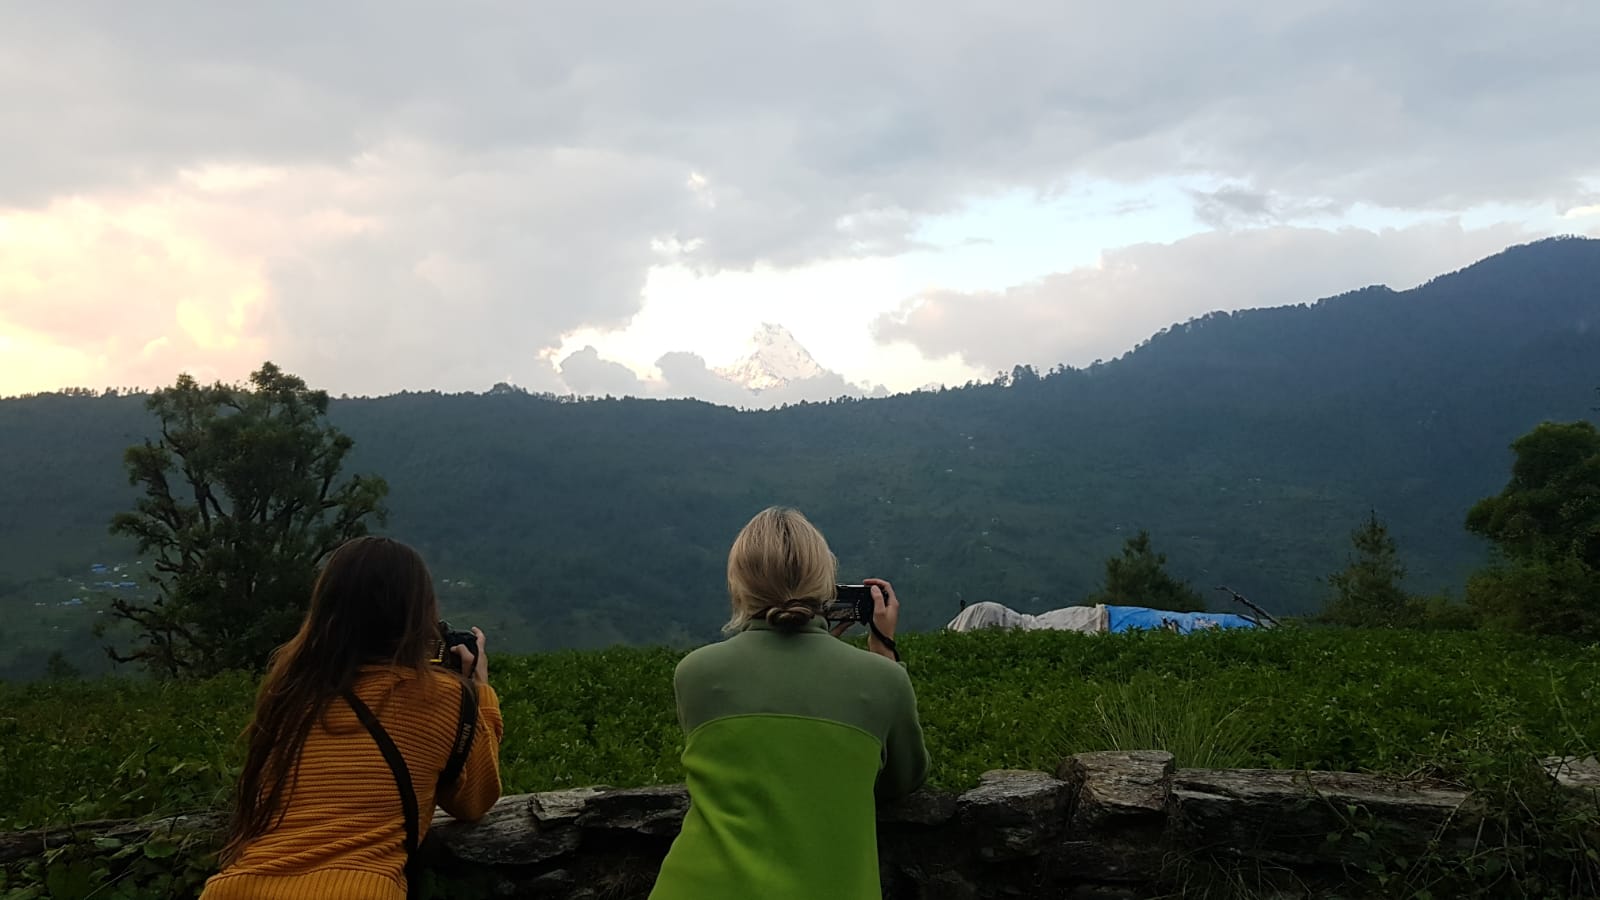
(1201, 730)
(1390, 702)
(1477, 709)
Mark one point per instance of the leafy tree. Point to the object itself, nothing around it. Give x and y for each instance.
(241, 500)
(1139, 578)
(1368, 592)
(1545, 526)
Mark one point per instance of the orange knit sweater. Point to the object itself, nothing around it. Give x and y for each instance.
(342, 836)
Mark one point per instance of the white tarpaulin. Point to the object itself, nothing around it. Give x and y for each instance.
(1087, 619)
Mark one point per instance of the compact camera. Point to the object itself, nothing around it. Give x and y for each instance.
(852, 603)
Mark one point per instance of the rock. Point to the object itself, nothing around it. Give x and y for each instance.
(1287, 817)
(562, 807)
(1118, 789)
(1014, 813)
(947, 886)
(1581, 775)
(1115, 862)
(556, 883)
(508, 835)
(654, 811)
(923, 807)
(1104, 892)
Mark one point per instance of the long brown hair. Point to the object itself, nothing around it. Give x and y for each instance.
(373, 603)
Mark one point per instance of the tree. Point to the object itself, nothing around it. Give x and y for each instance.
(1368, 591)
(58, 668)
(241, 501)
(1545, 526)
(1139, 578)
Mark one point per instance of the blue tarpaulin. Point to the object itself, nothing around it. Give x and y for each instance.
(1135, 618)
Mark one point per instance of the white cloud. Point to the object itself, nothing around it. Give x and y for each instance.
(412, 198)
(1101, 311)
(587, 375)
(684, 374)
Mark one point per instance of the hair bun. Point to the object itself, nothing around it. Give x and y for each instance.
(792, 616)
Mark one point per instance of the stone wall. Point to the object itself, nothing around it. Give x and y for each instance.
(1104, 825)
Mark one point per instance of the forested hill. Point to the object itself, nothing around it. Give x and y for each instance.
(1248, 444)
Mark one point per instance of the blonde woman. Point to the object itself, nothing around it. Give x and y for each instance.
(791, 734)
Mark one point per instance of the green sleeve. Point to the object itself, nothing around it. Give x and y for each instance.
(677, 696)
(905, 765)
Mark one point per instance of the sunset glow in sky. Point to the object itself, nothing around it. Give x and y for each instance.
(381, 196)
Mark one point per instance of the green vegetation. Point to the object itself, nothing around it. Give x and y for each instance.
(1545, 526)
(241, 502)
(1369, 591)
(1138, 577)
(1476, 708)
(1388, 701)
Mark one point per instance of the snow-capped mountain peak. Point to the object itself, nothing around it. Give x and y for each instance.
(776, 359)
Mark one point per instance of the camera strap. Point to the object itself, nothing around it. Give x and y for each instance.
(466, 728)
(402, 780)
(883, 639)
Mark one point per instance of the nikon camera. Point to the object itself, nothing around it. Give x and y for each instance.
(444, 654)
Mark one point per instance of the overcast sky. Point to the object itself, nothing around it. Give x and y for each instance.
(388, 194)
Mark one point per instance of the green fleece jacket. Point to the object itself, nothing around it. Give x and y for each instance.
(790, 737)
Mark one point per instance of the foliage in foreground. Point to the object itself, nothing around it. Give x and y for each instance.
(1477, 708)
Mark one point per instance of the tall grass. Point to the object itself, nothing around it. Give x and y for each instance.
(1201, 729)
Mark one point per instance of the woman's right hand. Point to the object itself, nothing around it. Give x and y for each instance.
(475, 667)
(885, 615)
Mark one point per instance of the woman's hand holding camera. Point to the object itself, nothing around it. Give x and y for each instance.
(474, 667)
(885, 618)
(885, 615)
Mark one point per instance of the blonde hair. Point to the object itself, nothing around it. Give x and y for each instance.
(780, 569)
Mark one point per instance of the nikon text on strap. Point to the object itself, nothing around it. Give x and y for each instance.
(466, 730)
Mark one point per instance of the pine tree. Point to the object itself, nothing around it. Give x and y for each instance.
(1139, 578)
(1368, 591)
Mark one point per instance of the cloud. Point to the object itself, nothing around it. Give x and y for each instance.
(687, 375)
(123, 293)
(440, 198)
(586, 374)
(904, 109)
(1234, 206)
(684, 374)
(1104, 310)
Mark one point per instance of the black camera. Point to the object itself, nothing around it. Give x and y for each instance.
(445, 654)
(852, 603)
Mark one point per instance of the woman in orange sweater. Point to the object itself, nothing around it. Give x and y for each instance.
(321, 809)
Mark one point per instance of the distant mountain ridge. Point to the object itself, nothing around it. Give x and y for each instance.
(1248, 443)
